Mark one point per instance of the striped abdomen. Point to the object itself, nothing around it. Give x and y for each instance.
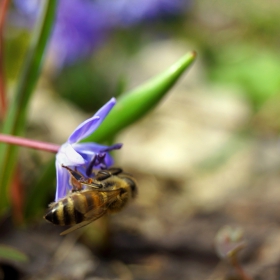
(71, 210)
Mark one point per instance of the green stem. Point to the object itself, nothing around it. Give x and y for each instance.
(16, 116)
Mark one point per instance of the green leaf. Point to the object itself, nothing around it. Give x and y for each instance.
(133, 105)
(11, 254)
(16, 117)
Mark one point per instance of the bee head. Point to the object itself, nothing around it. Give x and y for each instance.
(132, 186)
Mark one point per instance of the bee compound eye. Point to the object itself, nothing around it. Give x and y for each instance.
(102, 175)
(132, 186)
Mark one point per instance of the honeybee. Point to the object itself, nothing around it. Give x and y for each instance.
(91, 198)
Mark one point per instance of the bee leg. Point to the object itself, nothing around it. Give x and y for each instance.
(77, 186)
(115, 170)
(74, 173)
(102, 175)
(90, 183)
(105, 174)
(76, 179)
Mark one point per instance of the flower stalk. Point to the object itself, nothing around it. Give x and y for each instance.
(24, 142)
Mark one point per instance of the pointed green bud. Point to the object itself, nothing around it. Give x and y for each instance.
(133, 105)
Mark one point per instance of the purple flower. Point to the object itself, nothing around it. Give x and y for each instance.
(83, 156)
(80, 28)
(82, 25)
(128, 12)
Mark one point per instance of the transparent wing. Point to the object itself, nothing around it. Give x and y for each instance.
(84, 223)
(102, 209)
(95, 213)
(77, 226)
(111, 196)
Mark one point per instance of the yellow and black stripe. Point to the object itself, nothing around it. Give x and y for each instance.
(63, 213)
(71, 210)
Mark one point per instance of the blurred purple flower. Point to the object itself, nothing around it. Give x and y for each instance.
(83, 156)
(28, 7)
(128, 12)
(79, 28)
(82, 25)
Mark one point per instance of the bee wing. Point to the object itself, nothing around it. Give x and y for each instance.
(95, 213)
(77, 226)
(94, 210)
(86, 222)
(102, 209)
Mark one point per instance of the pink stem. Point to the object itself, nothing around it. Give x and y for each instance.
(20, 141)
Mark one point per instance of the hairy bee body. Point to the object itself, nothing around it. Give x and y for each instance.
(108, 192)
(71, 209)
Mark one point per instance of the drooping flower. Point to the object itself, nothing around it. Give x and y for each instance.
(83, 156)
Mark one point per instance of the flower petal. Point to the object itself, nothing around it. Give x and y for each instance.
(116, 146)
(95, 155)
(90, 125)
(84, 129)
(62, 183)
(89, 150)
(104, 111)
(68, 156)
(91, 147)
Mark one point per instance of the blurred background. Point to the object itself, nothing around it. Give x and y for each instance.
(207, 157)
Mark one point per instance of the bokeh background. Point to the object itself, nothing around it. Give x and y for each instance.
(206, 157)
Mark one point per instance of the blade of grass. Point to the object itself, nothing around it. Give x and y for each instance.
(3, 98)
(16, 116)
(8, 253)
